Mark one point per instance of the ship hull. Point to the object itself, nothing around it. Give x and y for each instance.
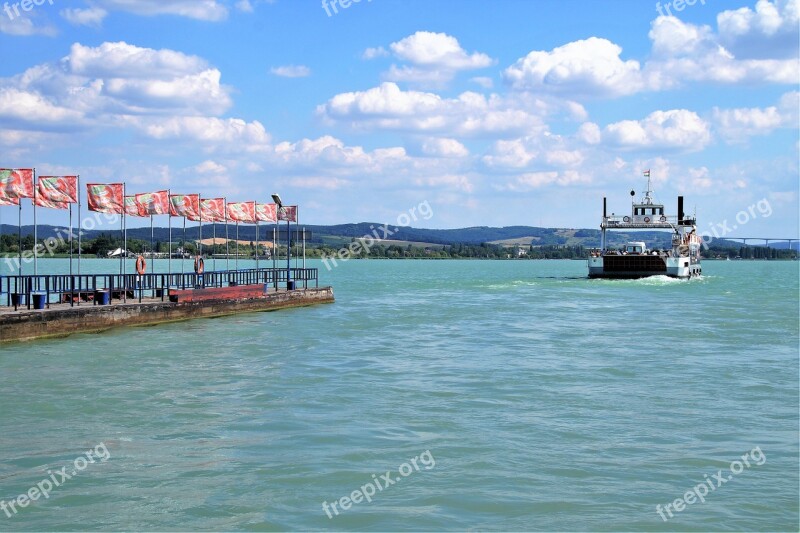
(642, 266)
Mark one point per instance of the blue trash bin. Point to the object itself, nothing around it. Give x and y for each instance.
(102, 297)
(39, 300)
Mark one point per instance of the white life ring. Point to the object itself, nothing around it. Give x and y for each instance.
(663, 218)
(627, 219)
(646, 220)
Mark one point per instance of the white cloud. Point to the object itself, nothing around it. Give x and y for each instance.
(674, 129)
(372, 53)
(433, 59)
(535, 180)
(685, 52)
(291, 71)
(123, 60)
(209, 10)
(210, 167)
(438, 50)
(332, 153)
(390, 108)
(121, 79)
(24, 25)
(483, 81)
(21, 107)
(580, 68)
(442, 147)
(91, 16)
(214, 133)
(245, 6)
(736, 125)
(771, 30)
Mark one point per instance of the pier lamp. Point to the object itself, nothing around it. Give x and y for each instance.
(277, 199)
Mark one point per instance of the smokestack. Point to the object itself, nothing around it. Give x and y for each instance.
(680, 209)
(604, 207)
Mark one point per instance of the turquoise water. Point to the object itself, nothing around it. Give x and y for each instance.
(529, 397)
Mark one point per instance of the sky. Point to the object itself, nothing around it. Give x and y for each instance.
(495, 113)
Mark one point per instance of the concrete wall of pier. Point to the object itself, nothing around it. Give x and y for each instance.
(29, 325)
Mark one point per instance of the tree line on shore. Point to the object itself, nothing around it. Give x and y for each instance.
(104, 243)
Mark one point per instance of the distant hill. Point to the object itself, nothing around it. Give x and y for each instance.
(340, 234)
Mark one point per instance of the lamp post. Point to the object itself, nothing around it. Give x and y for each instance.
(277, 199)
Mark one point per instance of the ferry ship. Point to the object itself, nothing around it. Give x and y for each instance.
(635, 259)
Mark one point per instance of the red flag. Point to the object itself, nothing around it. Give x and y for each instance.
(267, 212)
(212, 209)
(38, 201)
(288, 213)
(153, 203)
(16, 183)
(132, 208)
(242, 212)
(105, 198)
(8, 201)
(185, 205)
(61, 189)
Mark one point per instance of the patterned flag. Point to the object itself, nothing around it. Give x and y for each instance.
(132, 208)
(153, 203)
(212, 209)
(16, 183)
(647, 173)
(105, 198)
(267, 212)
(288, 213)
(242, 212)
(39, 201)
(8, 201)
(185, 205)
(61, 189)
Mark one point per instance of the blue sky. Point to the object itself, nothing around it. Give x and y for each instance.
(495, 113)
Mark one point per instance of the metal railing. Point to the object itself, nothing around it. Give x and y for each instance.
(74, 289)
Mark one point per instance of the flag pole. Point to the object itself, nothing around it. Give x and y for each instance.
(214, 248)
(19, 237)
(80, 228)
(169, 213)
(183, 246)
(227, 243)
(237, 245)
(256, 205)
(35, 227)
(124, 254)
(274, 251)
(200, 242)
(71, 280)
(152, 250)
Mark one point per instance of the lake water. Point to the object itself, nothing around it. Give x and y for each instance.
(498, 395)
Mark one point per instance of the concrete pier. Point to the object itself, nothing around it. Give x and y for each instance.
(61, 320)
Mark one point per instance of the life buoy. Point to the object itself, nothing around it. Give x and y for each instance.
(627, 219)
(141, 265)
(646, 220)
(663, 218)
(199, 265)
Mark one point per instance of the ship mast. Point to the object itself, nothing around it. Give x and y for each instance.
(648, 198)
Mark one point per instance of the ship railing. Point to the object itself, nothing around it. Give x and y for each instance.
(27, 290)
